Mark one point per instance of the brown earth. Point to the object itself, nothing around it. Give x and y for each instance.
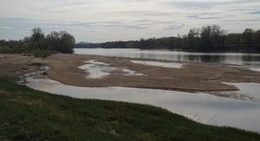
(2, 92)
(12, 65)
(192, 77)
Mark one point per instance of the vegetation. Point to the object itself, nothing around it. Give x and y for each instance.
(39, 44)
(30, 115)
(206, 39)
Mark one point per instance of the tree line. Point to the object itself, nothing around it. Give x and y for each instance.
(54, 42)
(205, 39)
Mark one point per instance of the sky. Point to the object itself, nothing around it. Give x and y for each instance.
(110, 20)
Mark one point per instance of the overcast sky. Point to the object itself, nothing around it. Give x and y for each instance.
(107, 20)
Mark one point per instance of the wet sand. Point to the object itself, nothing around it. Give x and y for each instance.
(190, 77)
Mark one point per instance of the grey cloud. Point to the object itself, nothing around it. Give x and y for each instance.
(240, 21)
(168, 24)
(243, 8)
(163, 21)
(15, 28)
(235, 9)
(175, 26)
(16, 22)
(8, 20)
(193, 4)
(256, 12)
(201, 17)
(206, 16)
(143, 21)
(210, 4)
(99, 25)
(3, 27)
(142, 13)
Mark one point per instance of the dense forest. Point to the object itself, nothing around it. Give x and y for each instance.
(39, 44)
(206, 39)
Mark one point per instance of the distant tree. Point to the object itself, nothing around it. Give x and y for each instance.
(211, 36)
(257, 37)
(218, 35)
(37, 40)
(247, 36)
(142, 44)
(39, 44)
(179, 42)
(233, 39)
(37, 34)
(205, 34)
(61, 41)
(67, 42)
(130, 45)
(193, 35)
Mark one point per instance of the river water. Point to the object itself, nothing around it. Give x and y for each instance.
(244, 59)
(200, 107)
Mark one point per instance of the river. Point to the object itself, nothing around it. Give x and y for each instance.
(200, 107)
(251, 61)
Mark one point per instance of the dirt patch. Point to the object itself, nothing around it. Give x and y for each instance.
(14, 65)
(2, 92)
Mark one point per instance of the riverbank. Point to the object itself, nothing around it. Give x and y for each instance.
(35, 115)
(189, 77)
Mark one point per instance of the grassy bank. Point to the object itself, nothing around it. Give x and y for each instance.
(29, 115)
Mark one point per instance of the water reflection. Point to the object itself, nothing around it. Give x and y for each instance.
(200, 107)
(203, 58)
(158, 64)
(225, 58)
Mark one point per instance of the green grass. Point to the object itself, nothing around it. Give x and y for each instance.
(29, 115)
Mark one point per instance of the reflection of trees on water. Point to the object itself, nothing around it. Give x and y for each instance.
(251, 61)
(206, 58)
(150, 56)
(215, 59)
(193, 58)
(249, 58)
(238, 59)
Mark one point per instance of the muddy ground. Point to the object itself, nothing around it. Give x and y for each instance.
(191, 77)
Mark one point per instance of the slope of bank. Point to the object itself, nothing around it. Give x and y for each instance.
(28, 115)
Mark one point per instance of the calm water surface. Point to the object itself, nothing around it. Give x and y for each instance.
(249, 60)
(200, 107)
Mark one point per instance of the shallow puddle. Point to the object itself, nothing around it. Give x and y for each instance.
(97, 70)
(129, 72)
(255, 69)
(251, 89)
(158, 64)
(247, 91)
(200, 107)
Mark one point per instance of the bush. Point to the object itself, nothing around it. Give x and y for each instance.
(42, 53)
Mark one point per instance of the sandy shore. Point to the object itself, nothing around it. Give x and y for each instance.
(191, 77)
